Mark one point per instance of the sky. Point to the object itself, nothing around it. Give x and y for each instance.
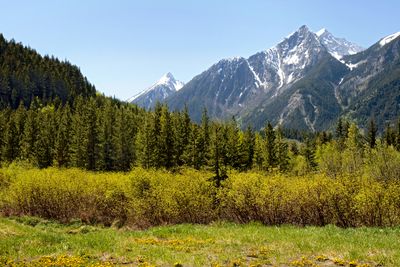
(124, 46)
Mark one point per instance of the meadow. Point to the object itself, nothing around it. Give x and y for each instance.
(30, 241)
(72, 217)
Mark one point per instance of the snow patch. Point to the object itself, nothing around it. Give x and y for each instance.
(320, 32)
(389, 38)
(255, 75)
(292, 60)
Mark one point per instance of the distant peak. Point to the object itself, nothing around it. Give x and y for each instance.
(167, 77)
(320, 32)
(303, 30)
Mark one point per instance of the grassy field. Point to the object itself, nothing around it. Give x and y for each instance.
(29, 241)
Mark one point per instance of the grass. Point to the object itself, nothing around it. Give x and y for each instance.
(30, 240)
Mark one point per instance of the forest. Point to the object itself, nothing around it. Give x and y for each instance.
(68, 153)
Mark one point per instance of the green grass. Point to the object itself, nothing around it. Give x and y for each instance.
(223, 244)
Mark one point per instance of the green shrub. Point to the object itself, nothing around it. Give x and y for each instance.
(146, 198)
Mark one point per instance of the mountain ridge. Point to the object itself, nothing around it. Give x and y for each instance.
(306, 81)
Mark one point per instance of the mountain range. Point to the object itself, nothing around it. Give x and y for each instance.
(306, 81)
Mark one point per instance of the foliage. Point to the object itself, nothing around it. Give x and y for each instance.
(146, 198)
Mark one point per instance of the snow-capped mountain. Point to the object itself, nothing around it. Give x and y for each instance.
(305, 82)
(158, 92)
(337, 47)
(235, 86)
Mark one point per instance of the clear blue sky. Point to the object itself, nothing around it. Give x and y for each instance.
(124, 46)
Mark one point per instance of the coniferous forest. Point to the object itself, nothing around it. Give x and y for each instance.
(180, 171)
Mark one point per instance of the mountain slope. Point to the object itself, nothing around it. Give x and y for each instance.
(158, 92)
(259, 87)
(372, 87)
(24, 75)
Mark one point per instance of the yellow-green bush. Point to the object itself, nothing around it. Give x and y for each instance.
(313, 200)
(160, 197)
(67, 194)
(148, 197)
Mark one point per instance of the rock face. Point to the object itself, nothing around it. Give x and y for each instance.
(158, 92)
(306, 81)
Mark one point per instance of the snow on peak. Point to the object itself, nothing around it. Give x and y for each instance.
(166, 78)
(389, 38)
(165, 85)
(337, 47)
(169, 81)
(320, 32)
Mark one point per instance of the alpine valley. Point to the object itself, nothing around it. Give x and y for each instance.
(307, 81)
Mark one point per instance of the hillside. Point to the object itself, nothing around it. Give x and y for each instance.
(25, 74)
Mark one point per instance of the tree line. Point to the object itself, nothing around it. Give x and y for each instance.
(102, 134)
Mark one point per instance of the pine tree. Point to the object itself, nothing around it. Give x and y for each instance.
(308, 152)
(232, 146)
(217, 159)
(106, 124)
(372, 130)
(3, 126)
(156, 160)
(282, 151)
(92, 148)
(183, 133)
(144, 143)
(11, 140)
(79, 134)
(203, 142)
(247, 148)
(166, 140)
(62, 146)
(44, 145)
(259, 151)
(30, 135)
(270, 149)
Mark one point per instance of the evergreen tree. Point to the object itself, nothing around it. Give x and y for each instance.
(182, 133)
(44, 144)
(259, 151)
(218, 154)
(270, 149)
(144, 143)
(371, 136)
(92, 148)
(106, 123)
(233, 151)
(79, 134)
(11, 140)
(124, 139)
(248, 149)
(166, 140)
(202, 142)
(62, 146)
(308, 152)
(30, 135)
(282, 151)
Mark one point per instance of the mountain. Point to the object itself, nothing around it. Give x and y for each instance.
(305, 82)
(166, 86)
(25, 75)
(337, 47)
(372, 87)
(272, 85)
